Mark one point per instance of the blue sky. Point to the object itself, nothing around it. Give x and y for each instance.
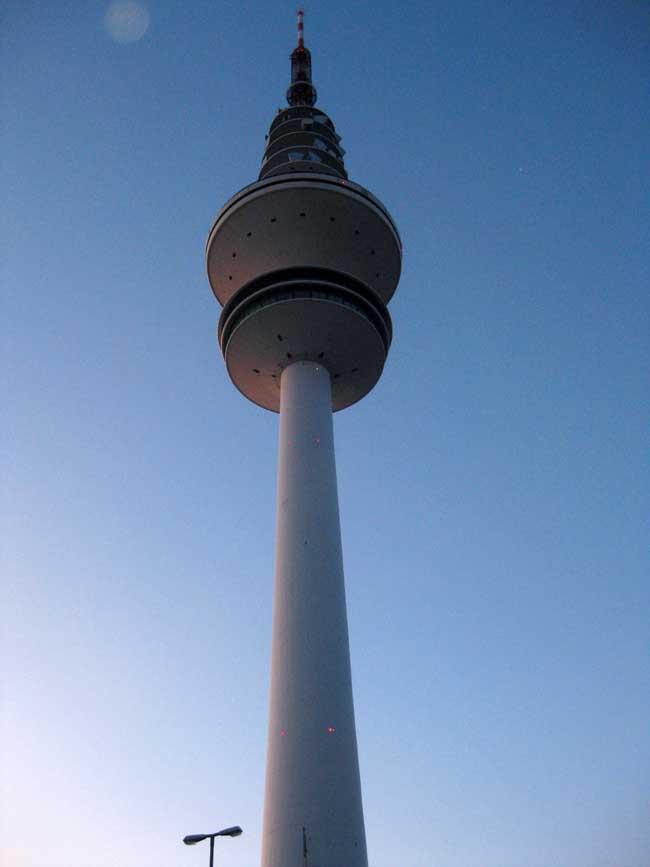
(494, 489)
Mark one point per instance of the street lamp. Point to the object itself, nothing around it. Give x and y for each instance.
(191, 839)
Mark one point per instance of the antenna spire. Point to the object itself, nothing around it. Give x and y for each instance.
(301, 91)
(301, 29)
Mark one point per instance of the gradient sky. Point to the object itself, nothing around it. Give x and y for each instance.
(494, 487)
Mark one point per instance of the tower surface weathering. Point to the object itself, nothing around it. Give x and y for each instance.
(304, 262)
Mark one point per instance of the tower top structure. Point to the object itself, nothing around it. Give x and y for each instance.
(304, 260)
(301, 91)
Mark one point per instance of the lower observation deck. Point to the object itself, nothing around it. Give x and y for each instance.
(304, 314)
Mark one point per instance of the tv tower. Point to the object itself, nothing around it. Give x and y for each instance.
(304, 262)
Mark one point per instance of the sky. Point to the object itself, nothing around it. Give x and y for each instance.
(493, 486)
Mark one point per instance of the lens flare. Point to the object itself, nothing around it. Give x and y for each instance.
(126, 21)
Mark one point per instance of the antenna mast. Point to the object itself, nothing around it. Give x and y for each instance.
(301, 91)
(301, 28)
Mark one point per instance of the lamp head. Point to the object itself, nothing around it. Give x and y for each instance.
(192, 839)
(235, 831)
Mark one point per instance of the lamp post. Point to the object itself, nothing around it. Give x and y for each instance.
(191, 839)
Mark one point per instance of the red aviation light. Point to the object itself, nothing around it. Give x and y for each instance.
(330, 730)
(282, 733)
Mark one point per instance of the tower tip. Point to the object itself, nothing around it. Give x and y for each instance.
(301, 91)
(301, 28)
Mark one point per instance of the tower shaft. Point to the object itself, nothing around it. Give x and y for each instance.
(312, 807)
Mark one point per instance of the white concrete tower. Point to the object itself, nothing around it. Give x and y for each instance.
(304, 262)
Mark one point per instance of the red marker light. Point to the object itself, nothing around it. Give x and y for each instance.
(282, 733)
(330, 730)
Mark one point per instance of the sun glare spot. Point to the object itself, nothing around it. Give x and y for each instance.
(126, 21)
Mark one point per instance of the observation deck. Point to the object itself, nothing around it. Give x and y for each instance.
(304, 262)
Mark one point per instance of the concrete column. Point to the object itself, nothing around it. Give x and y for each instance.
(313, 816)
